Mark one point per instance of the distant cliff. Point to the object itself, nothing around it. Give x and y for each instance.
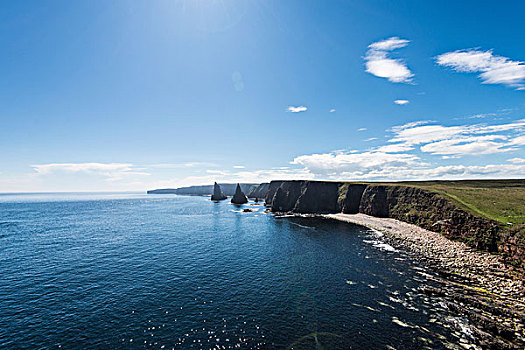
(414, 205)
(206, 190)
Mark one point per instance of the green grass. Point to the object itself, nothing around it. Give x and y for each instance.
(499, 200)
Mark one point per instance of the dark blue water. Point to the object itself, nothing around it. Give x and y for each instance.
(162, 272)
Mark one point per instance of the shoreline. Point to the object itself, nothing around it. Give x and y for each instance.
(477, 284)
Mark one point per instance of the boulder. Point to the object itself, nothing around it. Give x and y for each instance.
(217, 193)
(239, 197)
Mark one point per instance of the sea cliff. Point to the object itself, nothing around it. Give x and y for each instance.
(429, 210)
(440, 233)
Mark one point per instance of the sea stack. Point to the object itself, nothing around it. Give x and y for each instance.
(217, 193)
(239, 197)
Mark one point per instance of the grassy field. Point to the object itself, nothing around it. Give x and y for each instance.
(500, 200)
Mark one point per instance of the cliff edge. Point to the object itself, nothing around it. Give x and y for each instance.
(427, 209)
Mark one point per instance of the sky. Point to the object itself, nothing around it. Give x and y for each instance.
(135, 95)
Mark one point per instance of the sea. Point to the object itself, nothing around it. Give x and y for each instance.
(137, 271)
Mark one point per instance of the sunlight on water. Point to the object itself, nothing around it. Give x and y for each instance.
(130, 271)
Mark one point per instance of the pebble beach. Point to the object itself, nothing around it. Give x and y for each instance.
(477, 284)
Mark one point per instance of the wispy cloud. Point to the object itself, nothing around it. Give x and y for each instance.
(332, 110)
(373, 165)
(417, 150)
(493, 69)
(379, 64)
(460, 140)
(404, 157)
(239, 166)
(362, 162)
(112, 171)
(297, 109)
(401, 102)
(362, 129)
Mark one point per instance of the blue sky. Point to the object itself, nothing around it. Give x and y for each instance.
(133, 95)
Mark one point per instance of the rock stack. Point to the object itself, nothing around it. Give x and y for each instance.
(239, 197)
(217, 193)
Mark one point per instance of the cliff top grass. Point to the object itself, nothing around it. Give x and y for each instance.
(499, 200)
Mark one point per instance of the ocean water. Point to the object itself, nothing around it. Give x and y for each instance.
(132, 271)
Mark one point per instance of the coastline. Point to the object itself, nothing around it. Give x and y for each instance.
(475, 283)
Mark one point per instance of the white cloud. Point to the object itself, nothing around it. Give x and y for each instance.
(416, 150)
(297, 109)
(371, 139)
(388, 44)
(518, 141)
(362, 129)
(493, 69)
(379, 64)
(395, 148)
(112, 171)
(480, 116)
(359, 163)
(475, 145)
(374, 165)
(461, 139)
(332, 110)
(397, 159)
(410, 125)
(401, 102)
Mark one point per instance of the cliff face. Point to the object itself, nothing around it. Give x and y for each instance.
(272, 189)
(410, 204)
(349, 197)
(303, 196)
(430, 211)
(318, 197)
(259, 191)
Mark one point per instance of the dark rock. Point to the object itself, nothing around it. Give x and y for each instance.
(373, 202)
(239, 197)
(217, 193)
(286, 196)
(258, 191)
(318, 197)
(350, 197)
(303, 196)
(270, 194)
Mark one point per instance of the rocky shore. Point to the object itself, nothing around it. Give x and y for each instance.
(475, 284)
(429, 209)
